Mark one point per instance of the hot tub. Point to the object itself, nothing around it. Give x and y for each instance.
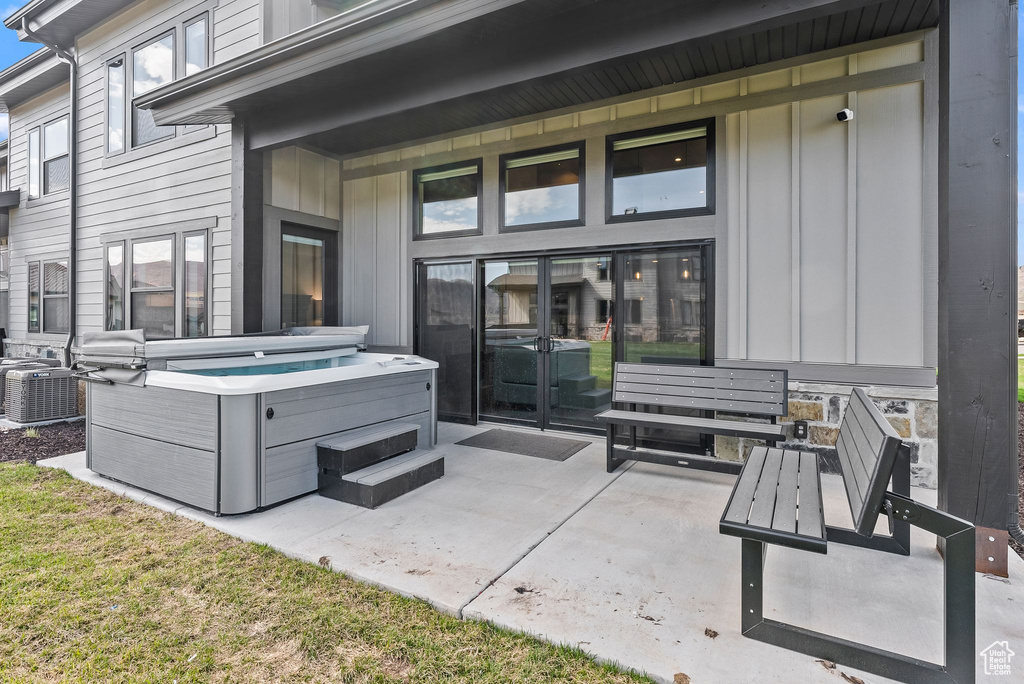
(230, 424)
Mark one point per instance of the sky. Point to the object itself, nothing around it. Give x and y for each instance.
(11, 51)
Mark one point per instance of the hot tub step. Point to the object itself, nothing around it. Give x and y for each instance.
(381, 482)
(357, 449)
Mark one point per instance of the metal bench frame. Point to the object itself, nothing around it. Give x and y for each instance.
(723, 380)
(958, 559)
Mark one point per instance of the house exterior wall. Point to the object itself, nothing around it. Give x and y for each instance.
(166, 187)
(38, 227)
(825, 232)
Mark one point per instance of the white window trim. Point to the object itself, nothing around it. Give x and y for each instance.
(43, 159)
(43, 297)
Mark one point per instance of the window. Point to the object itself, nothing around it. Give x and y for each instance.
(604, 311)
(115, 105)
(114, 312)
(196, 53)
(661, 173)
(148, 267)
(152, 294)
(152, 67)
(542, 188)
(195, 324)
(447, 200)
(33, 297)
(33, 164)
(56, 164)
(55, 296)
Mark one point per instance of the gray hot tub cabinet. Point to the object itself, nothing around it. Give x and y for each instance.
(236, 444)
(233, 454)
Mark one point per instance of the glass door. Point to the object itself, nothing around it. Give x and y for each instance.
(309, 282)
(579, 350)
(664, 317)
(445, 333)
(510, 311)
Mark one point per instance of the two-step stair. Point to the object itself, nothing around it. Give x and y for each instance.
(373, 465)
(581, 391)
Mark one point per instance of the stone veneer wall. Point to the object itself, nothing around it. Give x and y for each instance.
(913, 412)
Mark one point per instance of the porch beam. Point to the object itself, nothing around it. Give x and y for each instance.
(566, 42)
(247, 180)
(977, 268)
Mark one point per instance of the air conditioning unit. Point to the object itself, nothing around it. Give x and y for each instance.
(8, 365)
(35, 394)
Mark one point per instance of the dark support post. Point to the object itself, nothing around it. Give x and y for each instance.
(977, 268)
(247, 178)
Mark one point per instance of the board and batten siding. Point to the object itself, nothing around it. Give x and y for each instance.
(164, 186)
(825, 231)
(39, 227)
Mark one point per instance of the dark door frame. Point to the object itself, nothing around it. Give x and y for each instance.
(618, 254)
(331, 258)
(419, 266)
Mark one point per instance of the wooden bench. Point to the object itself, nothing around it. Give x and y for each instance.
(777, 500)
(708, 388)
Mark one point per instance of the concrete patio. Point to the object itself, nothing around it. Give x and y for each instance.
(630, 567)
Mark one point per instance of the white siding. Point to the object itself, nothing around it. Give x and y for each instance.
(305, 181)
(38, 228)
(825, 231)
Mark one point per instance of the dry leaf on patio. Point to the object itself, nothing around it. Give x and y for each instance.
(325, 561)
(827, 664)
(710, 633)
(681, 678)
(851, 678)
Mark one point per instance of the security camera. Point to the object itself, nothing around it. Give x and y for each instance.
(845, 115)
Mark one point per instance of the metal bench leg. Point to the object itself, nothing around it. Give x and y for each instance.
(899, 541)
(958, 613)
(612, 462)
(753, 592)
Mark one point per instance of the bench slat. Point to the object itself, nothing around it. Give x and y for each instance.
(693, 423)
(774, 386)
(697, 403)
(706, 392)
(786, 499)
(844, 445)
(763, 508)
(743, 495)
(811, 521)
(701, 371)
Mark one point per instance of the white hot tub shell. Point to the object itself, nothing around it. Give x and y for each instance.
(230, 424)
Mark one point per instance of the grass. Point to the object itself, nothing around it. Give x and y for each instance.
(94, 587)
(1020, 378)
(601, 355)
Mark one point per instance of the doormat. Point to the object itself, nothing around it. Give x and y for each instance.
(525, 444)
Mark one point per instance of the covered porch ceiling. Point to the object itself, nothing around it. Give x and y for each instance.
(420, 69)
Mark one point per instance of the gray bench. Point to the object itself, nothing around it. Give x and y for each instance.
(777, 500)
(707, 388)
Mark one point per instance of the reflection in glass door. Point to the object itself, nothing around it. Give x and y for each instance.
(308, 277)
(664, 319)
(580, 350)
(444, 333)
(510, 311)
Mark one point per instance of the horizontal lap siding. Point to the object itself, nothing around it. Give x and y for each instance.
(175, 183)
(38, 229)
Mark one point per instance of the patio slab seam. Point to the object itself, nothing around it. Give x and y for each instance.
(533, 547)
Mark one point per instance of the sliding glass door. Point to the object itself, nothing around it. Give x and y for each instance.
(533, 340)
(445, 306)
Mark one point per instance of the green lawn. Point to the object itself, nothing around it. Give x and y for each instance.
(94, 587)
(1020, 378)
(601, 357)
